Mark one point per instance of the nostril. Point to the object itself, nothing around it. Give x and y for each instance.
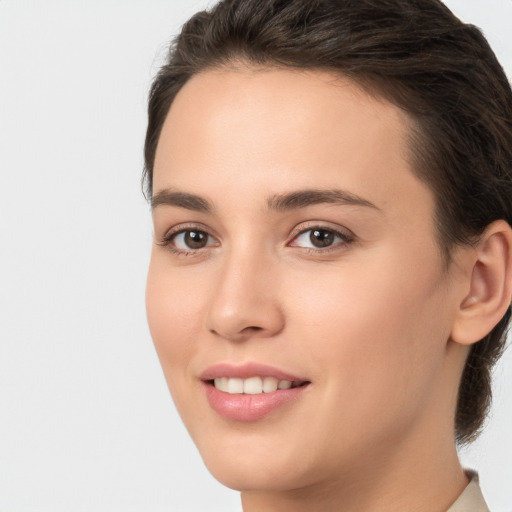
(253, 328)
(243, 334)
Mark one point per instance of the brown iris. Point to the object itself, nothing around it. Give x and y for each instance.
(321, 238)
(196, 239)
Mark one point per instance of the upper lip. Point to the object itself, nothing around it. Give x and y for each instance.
(247, 370)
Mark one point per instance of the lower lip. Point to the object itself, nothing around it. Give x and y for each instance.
(242, 407)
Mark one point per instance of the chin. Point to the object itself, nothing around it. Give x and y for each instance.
(255, 477)
(246, 463)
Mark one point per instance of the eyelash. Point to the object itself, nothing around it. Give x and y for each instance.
(169, 238)
(344, 239)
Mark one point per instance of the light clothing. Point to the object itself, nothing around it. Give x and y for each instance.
(471, 499)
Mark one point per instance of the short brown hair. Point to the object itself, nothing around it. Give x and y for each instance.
(419, 56)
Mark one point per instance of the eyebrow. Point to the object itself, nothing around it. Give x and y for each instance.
(181, 200)
(304, 198)
(278, 202)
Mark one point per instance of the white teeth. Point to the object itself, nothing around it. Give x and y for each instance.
(251, 386)
(235, 386)
(270, 384)
(221, 384)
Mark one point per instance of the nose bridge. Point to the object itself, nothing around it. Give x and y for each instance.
(245, 301)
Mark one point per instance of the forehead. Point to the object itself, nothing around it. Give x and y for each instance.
(243, 131)
(287, 103)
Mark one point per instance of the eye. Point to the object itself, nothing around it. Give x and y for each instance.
(192, 239)
(188, 240)
(320, 238)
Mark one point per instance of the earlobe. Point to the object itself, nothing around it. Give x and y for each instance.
(490, 285)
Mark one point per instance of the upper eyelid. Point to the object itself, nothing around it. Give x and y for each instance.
(338, 232)
(325, 226)
(180, 228)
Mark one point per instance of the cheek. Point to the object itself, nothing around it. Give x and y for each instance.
(378, 331)
(173, 305)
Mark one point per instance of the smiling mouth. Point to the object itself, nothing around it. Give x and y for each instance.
(253, 385)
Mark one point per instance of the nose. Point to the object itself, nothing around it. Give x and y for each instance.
(245, 302)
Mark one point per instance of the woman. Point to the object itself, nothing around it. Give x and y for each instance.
(331, 276)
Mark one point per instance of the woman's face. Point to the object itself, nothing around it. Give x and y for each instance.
(295, 247)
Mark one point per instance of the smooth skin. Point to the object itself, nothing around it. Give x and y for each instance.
(374, 317)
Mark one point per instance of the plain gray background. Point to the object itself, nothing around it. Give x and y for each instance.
(86, 422)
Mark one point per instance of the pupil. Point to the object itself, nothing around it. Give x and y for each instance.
(321, 238)
(196, 239)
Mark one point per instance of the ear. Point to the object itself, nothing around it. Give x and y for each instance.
(490, 285)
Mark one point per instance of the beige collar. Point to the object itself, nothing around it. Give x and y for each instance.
(471, 499)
